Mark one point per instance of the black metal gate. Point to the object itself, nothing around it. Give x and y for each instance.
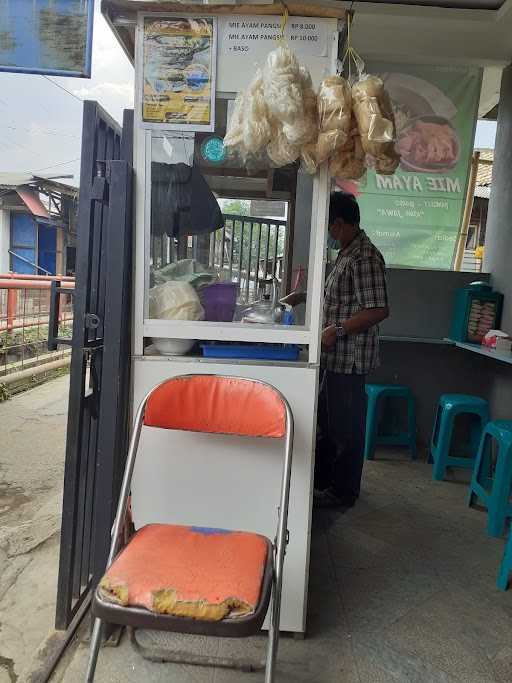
(100, 358)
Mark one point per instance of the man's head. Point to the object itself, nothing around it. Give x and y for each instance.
(344, 217)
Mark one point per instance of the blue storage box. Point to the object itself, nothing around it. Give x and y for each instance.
(288, 352)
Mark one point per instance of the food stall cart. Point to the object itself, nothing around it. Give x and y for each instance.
(414, 337)
(215, 52)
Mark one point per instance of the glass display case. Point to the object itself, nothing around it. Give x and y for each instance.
(222, 244)
(217, 245)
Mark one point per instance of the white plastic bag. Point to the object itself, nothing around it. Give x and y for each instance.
(304, 128)
(175, 301)
(281, 152)
(282, 85)
(250, 127)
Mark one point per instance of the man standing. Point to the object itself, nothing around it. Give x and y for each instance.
(355, 302)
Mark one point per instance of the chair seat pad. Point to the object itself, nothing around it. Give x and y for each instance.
(195, 572)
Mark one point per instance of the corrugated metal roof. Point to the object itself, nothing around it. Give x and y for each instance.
(483, 192)
(484, 174)
(14, 180)
(486, 154)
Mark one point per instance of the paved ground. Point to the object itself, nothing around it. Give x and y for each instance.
(402, 586)
(32, 442)
(402, 590)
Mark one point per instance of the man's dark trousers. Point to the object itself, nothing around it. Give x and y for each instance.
(340, 433)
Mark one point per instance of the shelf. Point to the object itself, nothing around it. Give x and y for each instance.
(158, 358)
(488, 353)
(240, 332)
(417, 340)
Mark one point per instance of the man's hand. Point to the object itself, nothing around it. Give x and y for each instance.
(329, 338)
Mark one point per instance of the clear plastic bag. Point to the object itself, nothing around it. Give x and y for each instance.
(234, 138)
(256, 125)
(304, 129)
(175, 301)
(376, 121)
(349, 162)
(281, 152)
(250, 127)
(334, 112)
(374, 113)
(282, 85)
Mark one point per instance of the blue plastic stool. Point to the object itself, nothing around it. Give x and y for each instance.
(451, 405)
(506, 566)
(494, 491)
(376, 393)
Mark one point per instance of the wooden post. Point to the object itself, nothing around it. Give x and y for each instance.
(468, 208)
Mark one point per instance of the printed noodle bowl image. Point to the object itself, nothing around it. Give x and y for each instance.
(429, 144)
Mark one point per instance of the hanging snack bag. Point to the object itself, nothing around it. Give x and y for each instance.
(334, 112)
(234, 138)
(282, 85)
(304, 128)
(376, 122)
(250, 127)
(349, 162)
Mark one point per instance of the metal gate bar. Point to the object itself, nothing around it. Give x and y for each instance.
(99, 381)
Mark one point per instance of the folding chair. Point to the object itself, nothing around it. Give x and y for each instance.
(148, 583)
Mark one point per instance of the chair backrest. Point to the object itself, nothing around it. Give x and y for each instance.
(217, 404)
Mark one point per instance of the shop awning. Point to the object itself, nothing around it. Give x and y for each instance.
(32, 202)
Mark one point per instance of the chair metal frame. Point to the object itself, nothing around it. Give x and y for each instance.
(276, 556)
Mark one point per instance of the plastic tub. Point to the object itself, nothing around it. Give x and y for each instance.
(219, 301)
(255, 351)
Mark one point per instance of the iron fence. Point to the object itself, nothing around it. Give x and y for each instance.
(24, 321)
(245, 251)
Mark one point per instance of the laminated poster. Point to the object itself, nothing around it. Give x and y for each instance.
(414, 216)
(179, 72)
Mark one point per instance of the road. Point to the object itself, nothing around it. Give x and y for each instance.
(32, 444)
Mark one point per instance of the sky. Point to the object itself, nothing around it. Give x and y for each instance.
(40, 123)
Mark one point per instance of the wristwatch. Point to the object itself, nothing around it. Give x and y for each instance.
(340, 331)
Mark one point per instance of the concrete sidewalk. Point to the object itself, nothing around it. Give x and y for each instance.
(32, 445)
(402, 590)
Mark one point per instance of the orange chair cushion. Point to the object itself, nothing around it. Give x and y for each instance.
(215, 404)
(200, 573)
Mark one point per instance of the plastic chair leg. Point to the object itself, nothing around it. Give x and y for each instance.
(435, 435)
(94, 651)
(498, 502)
(371, 429)
(506, 566)
(482, 458)
(443, 446)
(476, 431)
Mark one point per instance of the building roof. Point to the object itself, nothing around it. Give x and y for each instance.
(483, 192)
(484, 173)
(12, 181)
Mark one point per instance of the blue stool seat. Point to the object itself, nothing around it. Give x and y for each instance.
(449, 407)
(380, 392)
(493, 488)
(506, 566)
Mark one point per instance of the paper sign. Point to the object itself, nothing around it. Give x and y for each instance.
(251, 36)
(245, 42)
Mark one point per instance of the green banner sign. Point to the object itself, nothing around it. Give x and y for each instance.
(414, 216)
